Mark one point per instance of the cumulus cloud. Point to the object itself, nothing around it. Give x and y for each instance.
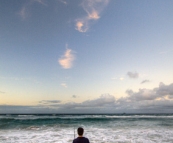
(93, 8)
(145, 81)
(142, 94)
(159, 99)
(104, 100)
(66, 60)
(133, 74)
(162, 91)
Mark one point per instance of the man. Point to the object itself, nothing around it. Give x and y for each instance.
(80, 138)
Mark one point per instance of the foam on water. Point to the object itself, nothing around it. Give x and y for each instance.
(95, 134)
(60, 129)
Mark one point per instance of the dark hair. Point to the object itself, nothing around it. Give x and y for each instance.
(80, 131)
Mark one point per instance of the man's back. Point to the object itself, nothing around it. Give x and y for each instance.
(81, 140)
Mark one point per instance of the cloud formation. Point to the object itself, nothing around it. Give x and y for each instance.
(159, 99)
(74, 96)
(24, 12)
(145, 81)
(49, 101)
(120, 78)
(2, 92)
(93, 8)
(66, 61)
(104, 100)
(41, 2)
(163, 91)
(133, 74)
(156, 100)
(64, 85)
(63, 1)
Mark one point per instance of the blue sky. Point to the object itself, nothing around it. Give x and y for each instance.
(86, 56)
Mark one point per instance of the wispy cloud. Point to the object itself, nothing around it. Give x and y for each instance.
(66, 60)
(93, 8)
(2, 92)
(24, 12)
(41, 2)
(133, 74)
(64, 85)
(165, 52)
(120, 78)
(21, 79)
(74, 96)
(145, 81)
(49, 101)
(63, 1)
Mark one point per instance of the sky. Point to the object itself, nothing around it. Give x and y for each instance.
(86, 56)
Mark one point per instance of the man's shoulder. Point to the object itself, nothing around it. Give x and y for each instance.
(81, 139)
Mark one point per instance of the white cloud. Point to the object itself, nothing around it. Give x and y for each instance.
(93, 8)
(64, 85)
(81, 25)
(121, 78)
(133, 74)
(66, 61)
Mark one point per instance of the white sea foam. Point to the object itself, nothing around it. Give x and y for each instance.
(33, 117)
(96, 134)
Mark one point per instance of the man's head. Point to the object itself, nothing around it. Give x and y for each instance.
(80, 131)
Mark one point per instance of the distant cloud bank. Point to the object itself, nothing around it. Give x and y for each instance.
(159, 99)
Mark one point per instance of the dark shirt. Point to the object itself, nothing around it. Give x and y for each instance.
(81, 140)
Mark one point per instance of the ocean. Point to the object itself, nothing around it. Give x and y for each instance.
(111, 128)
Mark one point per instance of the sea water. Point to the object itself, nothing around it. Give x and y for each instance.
(123, 128)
